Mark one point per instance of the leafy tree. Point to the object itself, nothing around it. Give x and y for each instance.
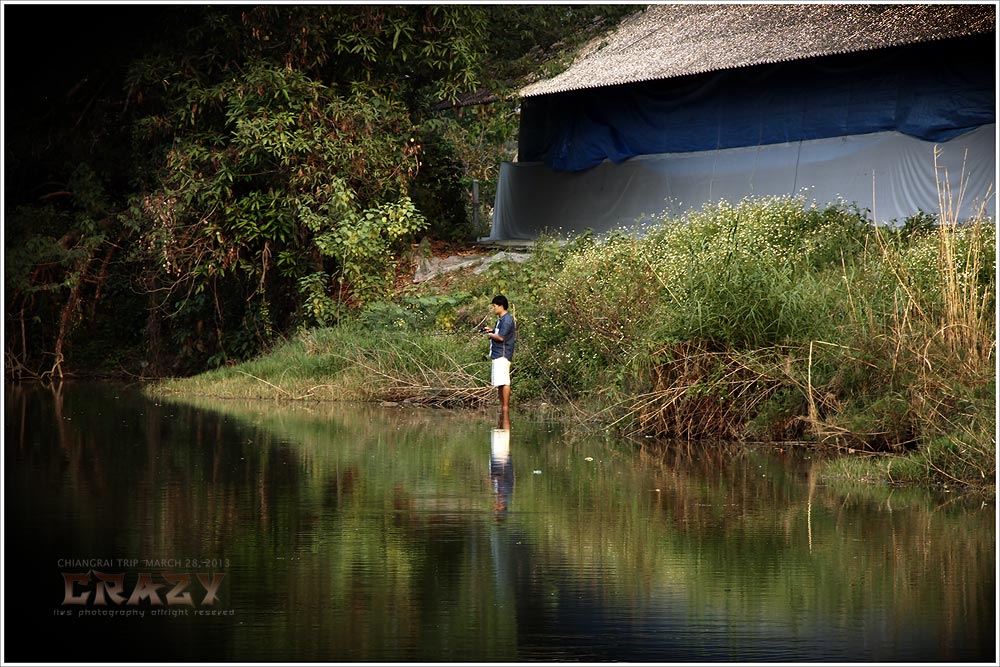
(55, 267)
(258, 168)
(287, 161)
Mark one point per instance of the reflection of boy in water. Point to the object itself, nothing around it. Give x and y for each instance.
(501, 471)
(502, 338)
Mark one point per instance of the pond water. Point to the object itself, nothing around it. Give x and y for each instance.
(150, 531)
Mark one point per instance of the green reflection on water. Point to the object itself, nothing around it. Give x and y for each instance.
(357, 533)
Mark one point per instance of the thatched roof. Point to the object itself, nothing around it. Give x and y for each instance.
(669, 40)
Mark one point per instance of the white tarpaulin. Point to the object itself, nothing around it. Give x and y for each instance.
(891, 174)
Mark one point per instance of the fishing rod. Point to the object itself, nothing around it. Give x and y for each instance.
(479, 327)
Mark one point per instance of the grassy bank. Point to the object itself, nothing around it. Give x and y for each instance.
(768, 320)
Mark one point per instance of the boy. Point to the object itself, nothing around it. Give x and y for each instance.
(502, 338)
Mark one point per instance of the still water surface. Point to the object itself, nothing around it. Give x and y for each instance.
(354, 533)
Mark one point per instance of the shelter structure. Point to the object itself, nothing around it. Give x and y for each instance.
(686, 104)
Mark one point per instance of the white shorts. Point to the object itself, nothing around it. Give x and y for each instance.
(501, 371)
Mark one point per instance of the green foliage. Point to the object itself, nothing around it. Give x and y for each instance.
(288, 152)
(364, 245)
(317, 304)
(57, 263)
(966, 455)
(730, 277)
(919, 223)
(606, 293)
(755, 273)
(440, 187)
(430, 313)
(470, 143)
(295, 174)
(242, 165)
(925, 269)
(532, 36)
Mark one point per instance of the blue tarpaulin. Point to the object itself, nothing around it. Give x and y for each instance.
(933, 91)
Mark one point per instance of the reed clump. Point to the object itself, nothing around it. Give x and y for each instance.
(924, 316)
(697, 329)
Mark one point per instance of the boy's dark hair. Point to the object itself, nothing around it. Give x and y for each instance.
(501, 300)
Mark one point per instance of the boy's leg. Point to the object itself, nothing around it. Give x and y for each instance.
(500, 406)
(504, 394)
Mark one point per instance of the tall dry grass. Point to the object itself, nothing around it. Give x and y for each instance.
(930, 348)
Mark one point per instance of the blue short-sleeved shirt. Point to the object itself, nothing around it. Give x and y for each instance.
(506, 329)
